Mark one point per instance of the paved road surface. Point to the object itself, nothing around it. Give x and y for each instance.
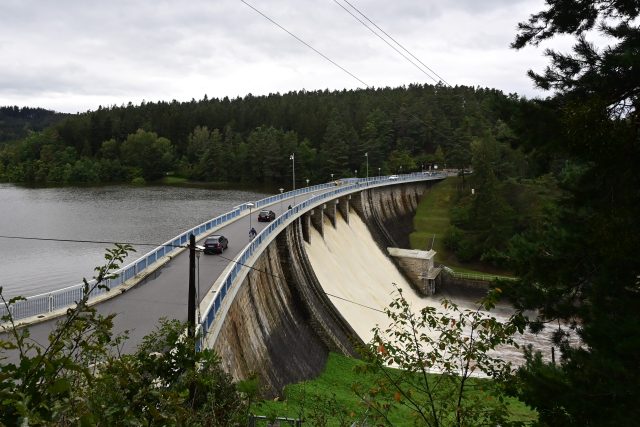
(165, 293)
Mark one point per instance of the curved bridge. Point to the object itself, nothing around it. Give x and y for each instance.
(265, 311)
(269, 314)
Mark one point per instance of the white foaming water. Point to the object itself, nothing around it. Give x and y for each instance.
(350, 265)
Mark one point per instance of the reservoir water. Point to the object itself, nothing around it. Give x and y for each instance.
(149, 215)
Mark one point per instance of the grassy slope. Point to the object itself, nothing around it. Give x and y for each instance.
(432, 219)
(332, 389)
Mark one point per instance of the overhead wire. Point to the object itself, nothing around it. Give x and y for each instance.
(306, 44)
(429, 126)
(394, 40)
(384, 40)
(285, 280)
(50, 239)
(108, 242)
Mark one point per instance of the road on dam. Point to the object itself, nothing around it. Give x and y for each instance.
(165, 292)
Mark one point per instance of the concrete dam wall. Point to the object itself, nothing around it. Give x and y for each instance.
(282, 324)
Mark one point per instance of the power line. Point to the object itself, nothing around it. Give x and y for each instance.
(49, 239)
(433, 128)
(285, 280)
(395, 41)
(306, 44)
(386, 41)
(101, 242)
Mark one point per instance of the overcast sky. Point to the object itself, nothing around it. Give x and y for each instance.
(73, 56)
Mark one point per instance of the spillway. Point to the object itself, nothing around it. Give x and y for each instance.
(356, 274)
(312, 292)
(359, 278)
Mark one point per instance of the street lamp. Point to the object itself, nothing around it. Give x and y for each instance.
(367, 156)
(292, 157)
(379, 172)
(356, 173)
(331, 177)
(199, 250)
(250, 206)
(307, 182)
(281, 190)
(400, 169)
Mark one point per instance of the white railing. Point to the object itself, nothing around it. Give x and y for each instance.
(41, 304)
(268, 233)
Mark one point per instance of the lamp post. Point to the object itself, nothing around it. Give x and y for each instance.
(331, 177)
(356, 173)
(367, 156)
(379, 172)
(307, 182)
(250, 206)
(281, 190)
(191, 295)
(292, 157)
(199, 250)
(400, 169)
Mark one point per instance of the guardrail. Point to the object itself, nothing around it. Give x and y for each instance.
(265, 236)
(41, 304)
(477, 276)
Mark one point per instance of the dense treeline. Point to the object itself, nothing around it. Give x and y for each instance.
(250, 139)
(16, 122)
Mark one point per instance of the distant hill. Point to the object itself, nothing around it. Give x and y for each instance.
(15, 122)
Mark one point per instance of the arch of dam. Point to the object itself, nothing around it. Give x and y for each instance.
(277, 320)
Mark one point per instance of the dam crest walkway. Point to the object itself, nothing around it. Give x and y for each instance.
(155, 285)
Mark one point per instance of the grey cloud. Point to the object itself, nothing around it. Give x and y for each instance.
(153, 49)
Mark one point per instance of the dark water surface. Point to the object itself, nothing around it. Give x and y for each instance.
(115, 213)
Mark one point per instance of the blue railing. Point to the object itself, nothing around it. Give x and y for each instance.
(41, 304)
(268, 233)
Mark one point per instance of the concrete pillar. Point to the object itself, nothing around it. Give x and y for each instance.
(305, 222)
(357, 203)
(331, 211)
(343, 207)
(317, 218)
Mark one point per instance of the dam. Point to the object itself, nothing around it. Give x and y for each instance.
(322, 286)
(313, 281)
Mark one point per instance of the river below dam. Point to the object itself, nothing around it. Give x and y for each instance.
(149, 214)
(350, 266)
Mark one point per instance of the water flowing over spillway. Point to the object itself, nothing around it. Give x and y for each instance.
(352, 268)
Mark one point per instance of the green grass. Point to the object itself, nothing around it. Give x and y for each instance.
(333, 390)
(430, 223)
(173, 180)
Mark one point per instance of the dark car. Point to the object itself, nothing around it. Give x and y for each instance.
(266, 216)
(215, 244)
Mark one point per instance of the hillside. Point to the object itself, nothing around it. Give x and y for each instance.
(250, 139)
(16, 122)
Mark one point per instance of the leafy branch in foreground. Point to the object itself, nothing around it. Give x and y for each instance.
(35, 388)
(80, 376)
(457, 345)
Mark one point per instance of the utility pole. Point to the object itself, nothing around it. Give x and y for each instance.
(191, 309)
(292, 157)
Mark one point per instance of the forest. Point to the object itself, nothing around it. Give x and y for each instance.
(250, 139)
(16, 122)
